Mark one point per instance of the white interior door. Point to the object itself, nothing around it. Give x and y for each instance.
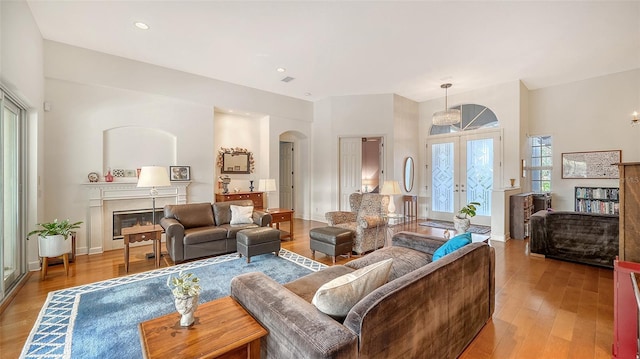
(462, 171)
(286, 175)
(350, 169)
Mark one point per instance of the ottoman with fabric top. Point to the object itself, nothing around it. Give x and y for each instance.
(254, 241)
(332, 241)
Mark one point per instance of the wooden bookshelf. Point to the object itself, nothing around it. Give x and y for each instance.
(602, 200)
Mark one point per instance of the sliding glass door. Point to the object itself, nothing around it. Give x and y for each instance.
(11, 241)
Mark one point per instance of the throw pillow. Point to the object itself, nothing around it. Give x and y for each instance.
(452, 245)
(241, 214)
(338, 296)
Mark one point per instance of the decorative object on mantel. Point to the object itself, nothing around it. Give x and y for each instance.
(225, 183)
(118, 172)
(108, 177)
(267, 185)
(186, 293)
(93, 177)
(251, 186)
(153, 176)
(448, 116)
(180, 173)
(235, 160)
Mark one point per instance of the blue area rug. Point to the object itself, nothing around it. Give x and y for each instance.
(100, 320)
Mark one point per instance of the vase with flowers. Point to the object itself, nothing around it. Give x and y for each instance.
(186, 293)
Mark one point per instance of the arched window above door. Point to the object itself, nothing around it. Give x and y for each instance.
(474, 117)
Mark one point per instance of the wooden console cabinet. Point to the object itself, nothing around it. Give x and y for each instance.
(629, 209)
(256, 197)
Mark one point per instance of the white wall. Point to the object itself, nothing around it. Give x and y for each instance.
(91, 92)
(587, 115)
(345, 116)
(21, 71)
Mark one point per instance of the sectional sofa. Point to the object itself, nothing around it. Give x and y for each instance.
(427, 309)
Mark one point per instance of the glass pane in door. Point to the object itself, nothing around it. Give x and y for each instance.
(480, 174)
(9, 195)
(442, 176)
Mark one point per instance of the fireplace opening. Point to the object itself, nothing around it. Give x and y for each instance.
(138, 217)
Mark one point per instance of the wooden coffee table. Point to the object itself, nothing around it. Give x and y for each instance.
(223, 329)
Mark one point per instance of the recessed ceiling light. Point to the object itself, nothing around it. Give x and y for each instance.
(281, 69)
(141, 25)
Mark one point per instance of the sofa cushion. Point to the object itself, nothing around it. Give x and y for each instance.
(337, 297)
(405, 260)
(193, 214)
(241, 215)
(204, 234)
(452, 245)
(307, 286)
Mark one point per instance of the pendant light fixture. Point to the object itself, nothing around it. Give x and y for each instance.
(448, 116)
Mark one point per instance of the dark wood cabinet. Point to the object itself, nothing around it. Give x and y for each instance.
(629, 209)
(520, 211)
(256, 197)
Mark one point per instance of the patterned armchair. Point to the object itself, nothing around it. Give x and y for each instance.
(365, 220)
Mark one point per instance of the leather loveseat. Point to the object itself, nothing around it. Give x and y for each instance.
(427, 309)
(197, 230)
(587, 238)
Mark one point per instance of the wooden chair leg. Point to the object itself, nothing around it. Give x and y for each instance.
(43, 270)
(65, 260)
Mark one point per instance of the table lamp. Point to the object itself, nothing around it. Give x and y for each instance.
(391, 188)
(153, 176)
(267, 185)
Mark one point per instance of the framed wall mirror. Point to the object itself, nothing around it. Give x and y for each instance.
(408, 174)
(235, 160)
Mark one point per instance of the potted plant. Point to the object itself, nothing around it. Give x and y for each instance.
(186, 293)
(52, 237)
(462, 221)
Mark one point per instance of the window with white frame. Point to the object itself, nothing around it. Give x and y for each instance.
(541, 163)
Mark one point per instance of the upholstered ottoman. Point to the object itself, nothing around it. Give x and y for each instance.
(254, 241)
(332, 241)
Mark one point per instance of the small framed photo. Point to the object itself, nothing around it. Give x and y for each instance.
(180, 173)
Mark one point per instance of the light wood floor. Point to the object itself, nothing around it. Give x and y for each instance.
(544, 308)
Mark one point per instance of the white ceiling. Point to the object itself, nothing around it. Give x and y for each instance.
(346, 48)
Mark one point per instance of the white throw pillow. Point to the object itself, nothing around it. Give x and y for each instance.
(241, 214)
(338, 296)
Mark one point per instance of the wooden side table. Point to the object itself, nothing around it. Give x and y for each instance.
(141, 234)
(279, 215)
(223, 329)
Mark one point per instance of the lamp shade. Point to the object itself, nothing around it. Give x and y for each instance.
(390, 188)
(267, 185)
(153, 176)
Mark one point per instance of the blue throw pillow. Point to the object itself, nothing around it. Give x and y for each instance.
(452, 245)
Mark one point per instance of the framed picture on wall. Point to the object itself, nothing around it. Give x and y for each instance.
(180, 173)
(591, 164)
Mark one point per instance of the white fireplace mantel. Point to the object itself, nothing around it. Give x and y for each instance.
(105, 197)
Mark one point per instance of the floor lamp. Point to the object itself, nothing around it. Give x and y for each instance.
(267, 185)
(153, 176)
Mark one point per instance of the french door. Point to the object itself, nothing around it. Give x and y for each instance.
(463, 169)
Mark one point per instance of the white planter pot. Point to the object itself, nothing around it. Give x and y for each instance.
(461, 224)
(187, 306)
(53, 246)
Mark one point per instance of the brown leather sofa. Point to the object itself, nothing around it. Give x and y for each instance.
(197, 230)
